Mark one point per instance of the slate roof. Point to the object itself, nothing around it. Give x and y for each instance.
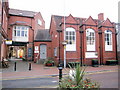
(24, 13)
(58, 20)
(43, 35)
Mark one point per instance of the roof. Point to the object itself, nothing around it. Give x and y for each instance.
(58, 20)
(21, 13)
(43, 35)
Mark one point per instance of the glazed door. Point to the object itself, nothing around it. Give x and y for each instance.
(43, 51)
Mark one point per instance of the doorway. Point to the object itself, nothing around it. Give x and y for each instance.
(43, 51)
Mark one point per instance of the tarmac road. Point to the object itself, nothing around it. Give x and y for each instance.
(105, 79)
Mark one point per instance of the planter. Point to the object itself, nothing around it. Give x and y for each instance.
(49, 64)
(95, 63)
(111, 62)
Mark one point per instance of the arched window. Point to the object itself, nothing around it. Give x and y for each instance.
(71, 39)
(90, 39)
(108, 40)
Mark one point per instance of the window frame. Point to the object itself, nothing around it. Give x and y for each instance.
(18, 30)
(70, 37)
(108, 40)
(90, 39)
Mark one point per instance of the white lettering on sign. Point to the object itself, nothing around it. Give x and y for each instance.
(36, 48)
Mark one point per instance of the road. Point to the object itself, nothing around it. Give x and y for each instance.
(105, 79)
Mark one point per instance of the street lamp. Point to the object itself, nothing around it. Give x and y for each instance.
(60, 64)
(64, 43)
(100, 45)
(59, 31)
(81, 31)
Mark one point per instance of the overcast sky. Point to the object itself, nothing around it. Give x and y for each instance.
(78, 8)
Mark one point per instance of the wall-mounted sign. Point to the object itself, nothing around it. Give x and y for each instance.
(29, 52)
(91, 55)
(8, 42)
(36, 48)
(36, 51)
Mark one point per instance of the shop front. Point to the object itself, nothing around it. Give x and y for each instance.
(17, 50)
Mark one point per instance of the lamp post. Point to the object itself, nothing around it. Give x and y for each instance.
(100, 45)
(81, 31)
(60, 64)
(64, 44)
(59, 31)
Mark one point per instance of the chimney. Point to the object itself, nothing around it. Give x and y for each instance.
(101, 16)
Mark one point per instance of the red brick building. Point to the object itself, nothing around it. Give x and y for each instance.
(4, 6)
(86, 38)
(23, 26)
(42, 46)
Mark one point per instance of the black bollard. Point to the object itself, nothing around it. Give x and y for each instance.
(60, 72)
(29, 66)
(15, 67)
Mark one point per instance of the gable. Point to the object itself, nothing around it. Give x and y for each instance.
(70, 19)
(90, 21)
(107, 22)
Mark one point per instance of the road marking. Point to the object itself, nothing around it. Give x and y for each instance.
(55, 86)
(101, 72)
(54, 81)
(27, 78)
(51, 76)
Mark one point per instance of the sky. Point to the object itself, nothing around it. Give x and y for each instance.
(78, 8)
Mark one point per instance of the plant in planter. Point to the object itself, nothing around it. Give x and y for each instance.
(49, 62)
(76, 80)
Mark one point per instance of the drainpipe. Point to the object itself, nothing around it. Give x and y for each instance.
(1, 22)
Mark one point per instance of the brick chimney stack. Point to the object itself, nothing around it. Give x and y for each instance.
(101, 16)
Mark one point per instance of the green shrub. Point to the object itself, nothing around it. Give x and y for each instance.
(49, 60)
(73, 64)
(77, 80)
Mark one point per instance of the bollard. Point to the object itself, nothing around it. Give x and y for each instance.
(29, 66)
(15, 67)
(60, 72)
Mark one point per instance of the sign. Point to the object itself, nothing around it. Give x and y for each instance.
(29, 52)
(8, 42)
(91, 55)
(36, 48)
(36, 51)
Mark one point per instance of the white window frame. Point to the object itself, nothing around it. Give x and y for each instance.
(71, 39)
(90, 39)
(108, 40)
(19, 28)
(55, 51)
(39, 22)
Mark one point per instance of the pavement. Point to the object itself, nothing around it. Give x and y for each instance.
(39, 70)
